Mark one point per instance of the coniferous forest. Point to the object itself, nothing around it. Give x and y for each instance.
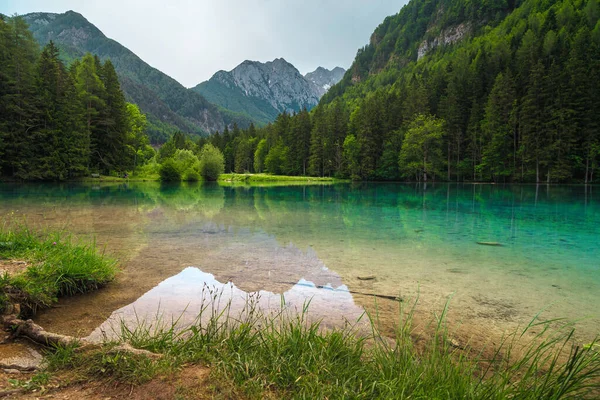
(58, 123)
(515, 102)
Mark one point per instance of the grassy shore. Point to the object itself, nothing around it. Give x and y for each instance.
(223, 178)
(266, 178)
(257, 356)
(39, 268)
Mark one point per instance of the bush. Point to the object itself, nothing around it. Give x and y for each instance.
(212, 162)
(191, 176)
(168, 172)
(186, 160)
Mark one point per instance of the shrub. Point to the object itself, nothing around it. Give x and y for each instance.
(168, 172)
(191, 176)
(212, 162)
(185, 160)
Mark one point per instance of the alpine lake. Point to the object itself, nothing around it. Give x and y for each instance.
(499, 254)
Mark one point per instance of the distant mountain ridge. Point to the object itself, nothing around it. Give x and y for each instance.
(324, 79)
(264, 90)
(168, 105)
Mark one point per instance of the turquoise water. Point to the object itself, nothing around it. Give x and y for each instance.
(412, 239)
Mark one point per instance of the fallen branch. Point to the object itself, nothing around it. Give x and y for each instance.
(33, 331)
(36, 333)
(381, 296)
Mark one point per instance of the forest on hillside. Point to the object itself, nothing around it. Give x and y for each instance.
(516, 102)
(513, 101)
(58, 123)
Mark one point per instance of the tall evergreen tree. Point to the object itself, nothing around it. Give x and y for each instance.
(18, 97)
(109, 138)
(91, 92)
(499, 130)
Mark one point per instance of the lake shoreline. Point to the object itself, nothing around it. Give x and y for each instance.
(247, 178)
(431, 362)
(406, 240)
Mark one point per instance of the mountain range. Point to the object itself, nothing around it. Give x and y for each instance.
(264, 90)
(252, 93)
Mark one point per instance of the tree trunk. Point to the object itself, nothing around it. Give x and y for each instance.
(448, 160)
(587, 169)
(458, 159)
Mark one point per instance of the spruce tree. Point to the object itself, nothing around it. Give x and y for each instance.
(91, 92)
(110, 138)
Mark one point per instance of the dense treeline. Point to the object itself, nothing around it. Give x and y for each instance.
(514, 104)
(58, 123)
(396, 41)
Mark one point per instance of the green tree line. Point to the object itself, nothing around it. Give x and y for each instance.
(58, 123)
(516, 103)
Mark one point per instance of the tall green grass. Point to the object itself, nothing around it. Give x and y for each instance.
(58, 266)
(286, 355)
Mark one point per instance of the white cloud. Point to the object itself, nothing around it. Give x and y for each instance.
(191, 40)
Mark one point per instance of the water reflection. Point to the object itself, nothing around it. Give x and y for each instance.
(412, 238)
(182, 297)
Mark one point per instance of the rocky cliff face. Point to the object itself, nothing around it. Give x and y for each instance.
(263, 90)
(277, 82)
(324, 79)
(448, 36)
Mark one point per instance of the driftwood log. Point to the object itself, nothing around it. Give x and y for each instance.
(34, 332)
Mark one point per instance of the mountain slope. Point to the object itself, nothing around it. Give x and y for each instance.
(511, 85)
(417, 29)
(168, 105)
(263, 90)
(324, 79)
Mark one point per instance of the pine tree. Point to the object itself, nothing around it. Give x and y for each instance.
(318, 164)
(18, 97)
(498, 128)
(533, 143)
(109, 139)
(91, 92)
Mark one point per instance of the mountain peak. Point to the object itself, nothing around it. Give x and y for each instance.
(69, 28)
(168, 105)
(324, 79)
(262, 90)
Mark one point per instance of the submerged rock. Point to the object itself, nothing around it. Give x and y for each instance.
(366, 278)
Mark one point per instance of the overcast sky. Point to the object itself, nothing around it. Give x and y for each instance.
(190, 40)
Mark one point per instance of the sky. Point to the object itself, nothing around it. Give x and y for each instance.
(190, 40)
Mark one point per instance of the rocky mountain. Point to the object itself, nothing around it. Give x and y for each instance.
(264, 90)
(324, 79)
(168, 105)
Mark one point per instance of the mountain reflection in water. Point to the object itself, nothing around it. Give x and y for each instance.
(181, 297)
